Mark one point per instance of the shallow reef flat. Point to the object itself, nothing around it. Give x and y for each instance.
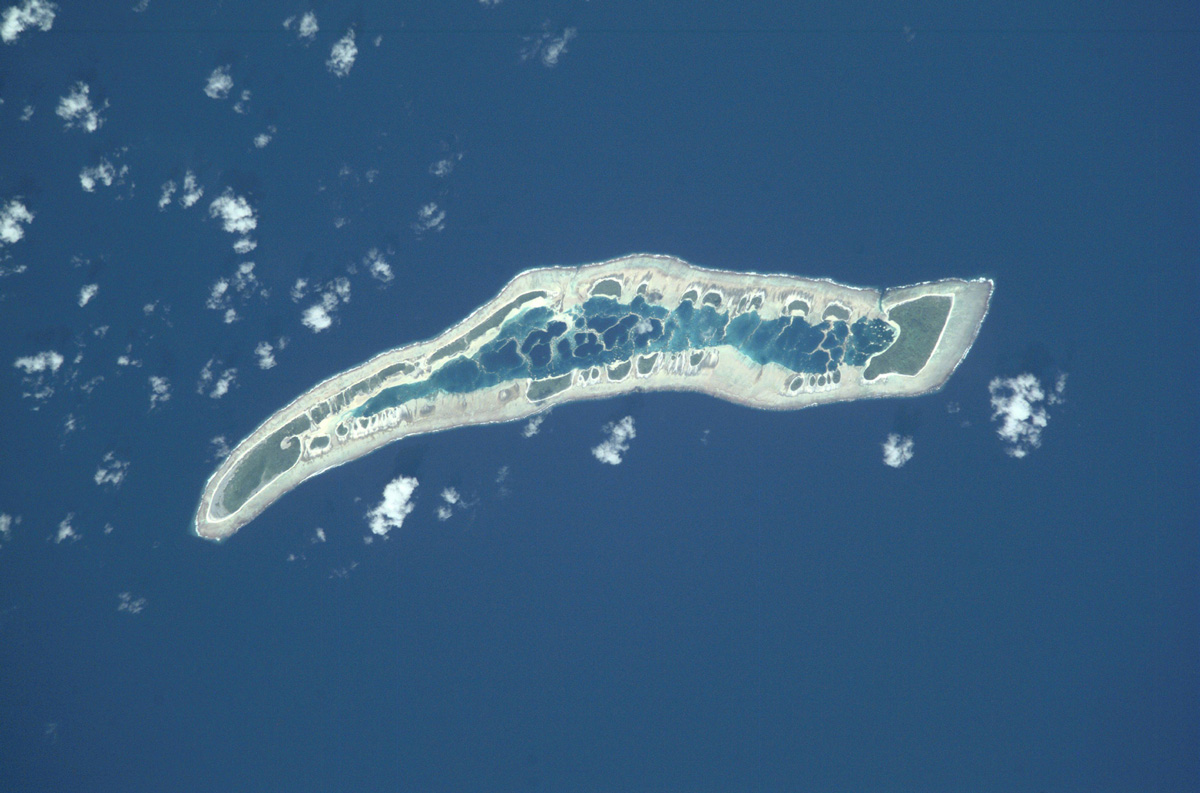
(637, 323)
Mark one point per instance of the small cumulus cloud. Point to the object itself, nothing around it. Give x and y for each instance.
(612, 449)
(66, 531)
(445, 166)
(378, 266)
(77, 110)
(1019, 406)
(103, 173)
(192, 192)
(236, 216)
(7, 522)
(429, 218)
(547, 45)
(319, 316)
(306, 26)
(534, 425)
(242, 285)
(214, 383)
(220, 447)
(897, 450)
(46, 361)
(343, 54)
(13, 216)
(160, 390)
(265, 352)
(39, 370)
(129, 604)
(86, 293)
(240, 106)
(111, 471)
(31, 14)
(219, 83)
(168, 190)
(396, 505)
(451, 498)
(263, 138)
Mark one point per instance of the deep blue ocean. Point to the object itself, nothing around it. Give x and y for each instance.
(750, 600)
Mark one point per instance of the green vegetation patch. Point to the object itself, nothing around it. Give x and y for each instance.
(618, 371)
(836, 312)
(543, 389)
(265, 461)
(646, 363)
(921, 322)
(395, 369)
(608, 287)
(797, 305)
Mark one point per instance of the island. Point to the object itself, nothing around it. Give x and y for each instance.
(638, 323)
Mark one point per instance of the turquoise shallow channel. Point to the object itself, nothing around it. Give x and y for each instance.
(545, 346)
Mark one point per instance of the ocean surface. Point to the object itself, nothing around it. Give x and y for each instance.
(989, 588)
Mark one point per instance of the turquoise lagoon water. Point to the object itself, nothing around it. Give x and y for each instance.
(539, 343)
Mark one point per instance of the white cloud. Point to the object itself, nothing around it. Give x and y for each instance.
(299, 290)
(103, 173)
(77, 110)
(160, 390)
(191, 191)
(547, 45)
(316, 318)
(266, 355)
(1019, 405)
(26, 113)
(429, 218)
(897, 450)
(168, 190)
(534, 425)
(235, 212)
(240, 107)
(445, 166)
(450, 498)
(219, 83)
(12, 215)
(395, 507)
(111, 471)
(619, 435)
(48, 360)
(307, 29)
(319, 316)
(128, 603)
(87, 293)
(237, 217)
(6, 525)
(341, 57)
(261, 140)
(378, 266)
(65, 530)
(217, 385)
(33, 14)
(220, 447)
